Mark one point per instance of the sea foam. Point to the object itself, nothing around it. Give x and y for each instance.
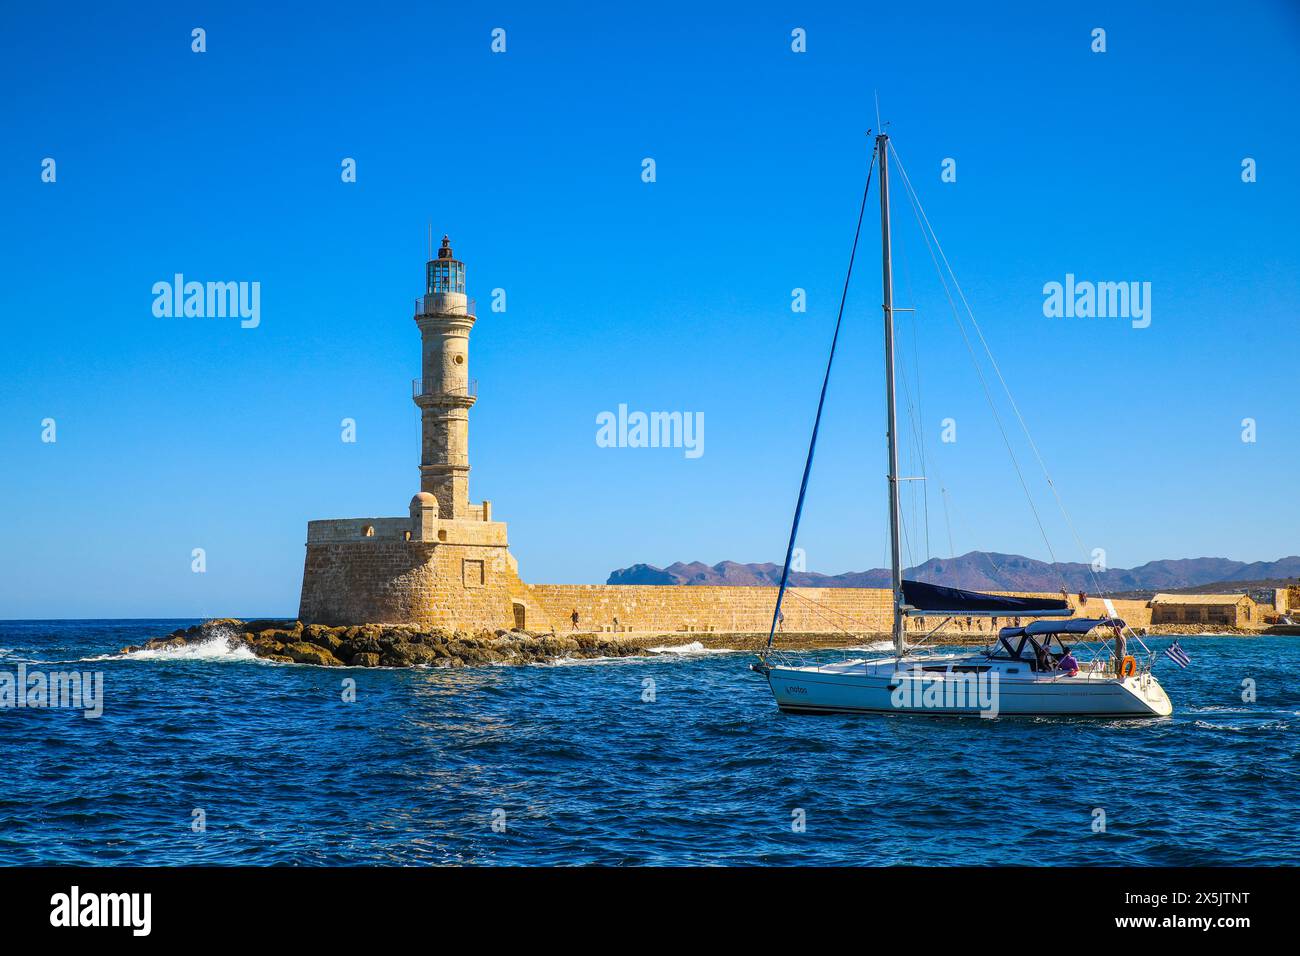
(218, 647)
(695, 647)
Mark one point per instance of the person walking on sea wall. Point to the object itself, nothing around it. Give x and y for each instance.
(574, 618)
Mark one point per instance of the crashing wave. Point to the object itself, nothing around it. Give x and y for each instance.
(218, 647)
(695, 647)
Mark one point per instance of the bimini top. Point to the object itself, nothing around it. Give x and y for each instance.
(933, 599)
(1078, 625)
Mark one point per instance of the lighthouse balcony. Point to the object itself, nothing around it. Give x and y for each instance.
(445, 303)
(429, 388)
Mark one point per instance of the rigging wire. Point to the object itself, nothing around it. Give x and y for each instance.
(1024, 427)
(952, 552)
(919, 211)
(821, 403)
(866, 628)
(915, 413)
(926, 233)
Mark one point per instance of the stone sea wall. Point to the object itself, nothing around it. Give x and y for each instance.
(673, 608)
(367, 571)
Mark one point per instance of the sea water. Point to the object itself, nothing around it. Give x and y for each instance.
(209, 756)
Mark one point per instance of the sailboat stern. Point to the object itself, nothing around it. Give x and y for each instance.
(1150, 696)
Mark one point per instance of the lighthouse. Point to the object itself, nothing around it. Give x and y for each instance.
(446, 563)
(444, 392)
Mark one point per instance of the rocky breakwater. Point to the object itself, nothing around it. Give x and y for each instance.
(382, 645)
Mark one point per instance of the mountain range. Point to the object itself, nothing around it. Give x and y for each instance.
(982, 571)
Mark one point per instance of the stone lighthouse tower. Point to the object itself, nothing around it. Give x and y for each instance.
(444, 392)
(446, 563)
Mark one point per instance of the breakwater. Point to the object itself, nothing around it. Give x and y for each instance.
(376, 645)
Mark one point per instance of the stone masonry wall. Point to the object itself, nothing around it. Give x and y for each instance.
(747, 609)
(401, 582)
(473, 583)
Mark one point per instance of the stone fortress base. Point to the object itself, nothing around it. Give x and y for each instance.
(459, 574)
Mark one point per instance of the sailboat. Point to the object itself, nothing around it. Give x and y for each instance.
(1031, 669)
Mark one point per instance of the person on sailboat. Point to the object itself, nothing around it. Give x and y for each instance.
(1068, 664)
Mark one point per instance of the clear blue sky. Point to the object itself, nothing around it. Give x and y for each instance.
(183, 433)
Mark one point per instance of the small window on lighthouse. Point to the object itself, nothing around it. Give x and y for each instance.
(459, 360)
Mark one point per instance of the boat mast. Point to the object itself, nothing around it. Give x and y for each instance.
(895, 547)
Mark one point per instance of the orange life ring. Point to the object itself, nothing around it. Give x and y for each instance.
(1128, 667)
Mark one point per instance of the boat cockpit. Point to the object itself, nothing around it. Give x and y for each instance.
(1038, 654)
(1034, 642)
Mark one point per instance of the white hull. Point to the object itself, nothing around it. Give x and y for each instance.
(890, 687)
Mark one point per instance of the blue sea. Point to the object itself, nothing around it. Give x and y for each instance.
(674, 759)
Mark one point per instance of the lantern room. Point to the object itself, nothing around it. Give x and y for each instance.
(445, 273)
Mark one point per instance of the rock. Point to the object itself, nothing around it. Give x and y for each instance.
(374, 645)
(421, 654)
(222, 623)
(408, 655)
(331, 642)
(361, 645)
(257, 627)
(300, 652)
(395, 656)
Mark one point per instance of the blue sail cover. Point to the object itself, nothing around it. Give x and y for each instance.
(933, 599)
(1077, 625)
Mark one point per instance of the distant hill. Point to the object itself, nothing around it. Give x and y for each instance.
(987, 571)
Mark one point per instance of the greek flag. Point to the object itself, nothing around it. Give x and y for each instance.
(1177, 655)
